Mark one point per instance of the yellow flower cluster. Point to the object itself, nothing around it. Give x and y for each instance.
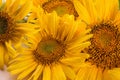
(60, 39)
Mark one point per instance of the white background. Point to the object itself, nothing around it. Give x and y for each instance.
(4, 75)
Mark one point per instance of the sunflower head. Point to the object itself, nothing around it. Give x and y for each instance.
(53, 42)
(105, 44)
(104, 23)
(12, 28)
(60, 6)
(55, 47)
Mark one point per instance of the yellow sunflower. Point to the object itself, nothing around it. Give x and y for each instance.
(103, 18)
(54, 51)
(62, 7)
(11, 28)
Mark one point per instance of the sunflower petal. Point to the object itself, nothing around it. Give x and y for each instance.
(38, 72)
(99, 74)
(106, 76)
(14, 7)
(20, 64)
(11, 50)
(93, 73)
(82, 11)
(114, 74)
(74, 60)
(7, 5)
(0, 2)
(92, 10)
(1, 57)
(111, 8)
(6, 58)
(81, 74)
(69, 72)
(26, 72)
(47, 73)
(58, 75)
(21, 69)
(26, 8)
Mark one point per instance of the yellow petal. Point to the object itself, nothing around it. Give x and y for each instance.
(24, 10)
(100, 8)
(12, 53)
(38, 72)
(111, 8)
(6, 58)
(73, 28)
(99, 74)
(68, 21)
(117, 19)
(17, 65)
(26, 27)
(26, 72)
(53, 23)
(82, 39)
(78, 46)
(82, 31)
(83, 72)
(39, 2)
(69, 72)
(85, 38)
(114, 74)
(93, 73)
(57, 73)
(81, 75)
(22, 1)
(1, 57)
(7, 5)
(47, 73)
(74, 60)
(106, 76)
(21, 69)
(84, 15)
(92, 9)
(0, 2)
(22, 58)
(14, 7)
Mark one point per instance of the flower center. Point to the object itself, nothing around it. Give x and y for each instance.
(105, 46)
(3, 25)
(6, 27)
(61, 7)
(49, 51)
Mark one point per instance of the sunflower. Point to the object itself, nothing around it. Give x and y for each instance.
(103, 18)
(11, 27)
(54, 51)
(62, 7)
